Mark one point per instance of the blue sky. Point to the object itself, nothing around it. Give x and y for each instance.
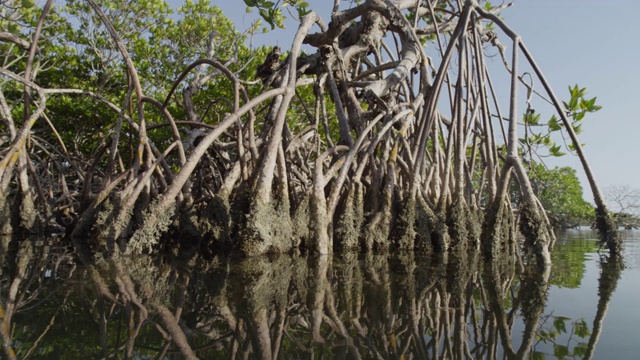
(587, 42)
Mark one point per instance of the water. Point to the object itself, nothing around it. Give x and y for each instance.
(350, 306)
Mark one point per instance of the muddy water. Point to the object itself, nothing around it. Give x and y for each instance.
(347, 306)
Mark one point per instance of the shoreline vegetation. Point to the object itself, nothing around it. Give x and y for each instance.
(126, 141)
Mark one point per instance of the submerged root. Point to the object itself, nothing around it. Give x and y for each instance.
(300, 220)
(537, 232)
(458, 224)
(498, 231)
(318, 224)
(426, 228)
(187, 233)
(97, 237)
(29, 217)
(608, 233)
(269, 230)
(350, 219)
(405, 226)
(378, 231)
(202, 227)
(147, 237)
(6, 215)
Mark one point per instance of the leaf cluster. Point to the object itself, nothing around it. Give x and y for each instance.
(576, 108)
(272, 12)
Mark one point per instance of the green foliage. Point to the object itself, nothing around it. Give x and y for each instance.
(569, 262)
(537, 140)
(560, 193)
(573, 347)
(77, 52)
(272, 12)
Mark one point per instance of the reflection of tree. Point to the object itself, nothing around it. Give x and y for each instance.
(569, 266)
(552, 327)
(360, 306)
(31, 274)
(611, 269)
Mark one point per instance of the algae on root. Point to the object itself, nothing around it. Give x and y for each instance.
(608, 233)
(7, 218)
(426, 225)
(498, 230)
(269, 230)
(537, 232)
(146, 237)
(350, 219)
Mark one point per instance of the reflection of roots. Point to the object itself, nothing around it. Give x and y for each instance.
(360, 304)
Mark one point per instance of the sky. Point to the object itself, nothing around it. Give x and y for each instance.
(592, 43)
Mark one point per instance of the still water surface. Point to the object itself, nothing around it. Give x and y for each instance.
(349, 306)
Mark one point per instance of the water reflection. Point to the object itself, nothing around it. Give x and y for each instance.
(360, 306)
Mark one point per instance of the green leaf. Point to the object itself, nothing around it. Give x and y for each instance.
(553, 124)
(538, 356)
(573, 103)
(574, 91)
(558, 323)
(580, 350)
(582, 92)
(581, 329)
(266, 16)
(560, 351)
(531, 118)
(583, 104)
(268, 4)
(555, 151)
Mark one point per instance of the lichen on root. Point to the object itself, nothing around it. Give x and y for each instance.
(268, 230)
(405, 233)
(147, 237)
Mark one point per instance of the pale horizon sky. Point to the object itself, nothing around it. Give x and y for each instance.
(590, 43)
